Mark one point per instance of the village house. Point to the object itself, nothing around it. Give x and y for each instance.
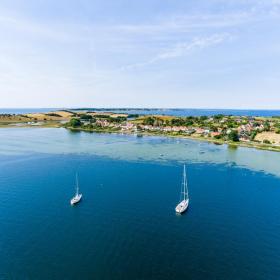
(259, 127)
(127, 126)
(244, 135)
(206, 131)
(167, 129)
(199, 130)
(102, 123)
(190, 130)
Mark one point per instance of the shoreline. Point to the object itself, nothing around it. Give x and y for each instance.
(258, 146)
(209, 140)
(261, 133)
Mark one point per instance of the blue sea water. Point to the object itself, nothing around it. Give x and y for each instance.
(126, 227)
(197, 112)
(157, 111)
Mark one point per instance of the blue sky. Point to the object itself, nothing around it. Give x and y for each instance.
(148, 53)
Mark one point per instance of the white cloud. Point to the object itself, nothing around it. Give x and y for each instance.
(188, 23)
(184, 48)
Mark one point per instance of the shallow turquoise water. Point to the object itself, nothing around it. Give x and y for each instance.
(126, 226)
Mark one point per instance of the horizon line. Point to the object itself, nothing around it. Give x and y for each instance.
(143, 108)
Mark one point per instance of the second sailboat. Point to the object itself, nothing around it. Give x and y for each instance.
(184, 197)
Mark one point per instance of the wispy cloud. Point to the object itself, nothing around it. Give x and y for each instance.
(188, 23)
(182, 49)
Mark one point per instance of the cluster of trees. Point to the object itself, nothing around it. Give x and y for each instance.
(201, 121)
(74, 122)
(53, 115)
(233, 136)
(133, 116)
(181, 122)
(86, 117)
(153, 121)
(90, 118)
(78, 122)
(101, 116)
(266, 126)
(187, 121)
(118, 119)
(218, 117)
(265, 141)
(231, 124)
(253, 135)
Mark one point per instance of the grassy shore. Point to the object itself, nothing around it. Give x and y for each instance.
(232, 144)
(55, 124)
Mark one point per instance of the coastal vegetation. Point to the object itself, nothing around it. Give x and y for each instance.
(258, 132)
(244, 131)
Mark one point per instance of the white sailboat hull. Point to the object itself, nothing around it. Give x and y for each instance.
(76, 199)
(182, 206)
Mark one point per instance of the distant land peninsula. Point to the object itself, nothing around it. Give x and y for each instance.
(256, 132)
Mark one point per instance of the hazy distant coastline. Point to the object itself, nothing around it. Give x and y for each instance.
(154, 111)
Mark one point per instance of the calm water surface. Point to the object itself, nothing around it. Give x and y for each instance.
(126, 226)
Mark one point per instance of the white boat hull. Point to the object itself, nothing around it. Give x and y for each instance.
(76, 199)
(182, 206)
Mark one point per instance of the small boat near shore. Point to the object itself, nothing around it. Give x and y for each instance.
(184, 197)
(78, 196)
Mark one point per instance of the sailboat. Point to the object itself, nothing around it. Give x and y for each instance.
(183, 205)
(78, 196)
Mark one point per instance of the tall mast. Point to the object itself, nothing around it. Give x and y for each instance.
(77, 184)
(185, 184)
